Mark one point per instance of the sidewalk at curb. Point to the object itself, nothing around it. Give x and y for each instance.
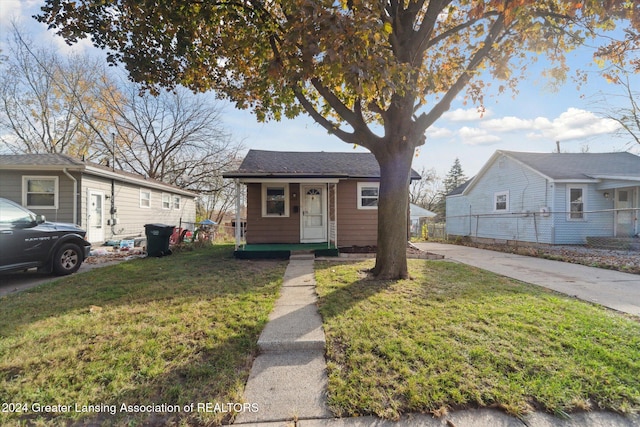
(467, 418)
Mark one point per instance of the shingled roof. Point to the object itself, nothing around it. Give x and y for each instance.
(580, 165)
(573, 167)
(288, 164)
(59, 162)
(41, 159)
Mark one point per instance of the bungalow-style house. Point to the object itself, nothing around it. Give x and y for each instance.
(311, 197)
(548, 198)
(109, 204)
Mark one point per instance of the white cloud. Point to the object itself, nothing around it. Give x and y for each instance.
(81, 46)
(576, 124)
(571, 124)
(510, 123)
(465, 115)
(10, 10)
(476, 136)
(438, 132)
(21, 12)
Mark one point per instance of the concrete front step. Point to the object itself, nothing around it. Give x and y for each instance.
(294, 324)
(292, 328)
(299, 255)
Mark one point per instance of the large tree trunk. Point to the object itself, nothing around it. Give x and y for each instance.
(393, 202)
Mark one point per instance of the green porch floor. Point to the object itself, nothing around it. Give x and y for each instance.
(284, 250)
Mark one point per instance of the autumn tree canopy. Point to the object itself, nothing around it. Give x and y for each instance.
(372, 73)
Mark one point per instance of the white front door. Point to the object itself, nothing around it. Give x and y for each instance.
(625, 216)
(313, 224)
(95, 216)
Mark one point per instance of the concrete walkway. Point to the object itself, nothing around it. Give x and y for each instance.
(613, 289)
(288, 380)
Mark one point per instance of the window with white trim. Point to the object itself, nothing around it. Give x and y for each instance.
(368, 193)
(40, 192)
(145, 198)
(501, 201)
(166, 201)
(576, 201)
(275, 200)
(176, 202)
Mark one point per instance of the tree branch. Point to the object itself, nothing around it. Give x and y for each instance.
(331, 127)
(454, 30)
(425, 120)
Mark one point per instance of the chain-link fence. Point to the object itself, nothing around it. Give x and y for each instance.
(432, 231)
(614, 228)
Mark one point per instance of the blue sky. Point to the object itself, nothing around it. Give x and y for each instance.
(533, 121)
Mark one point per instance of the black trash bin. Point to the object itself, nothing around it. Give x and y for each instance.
(158, 239)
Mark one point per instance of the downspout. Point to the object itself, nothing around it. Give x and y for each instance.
(238, 223)
(113, 209)
(75, 195)
(335, 214)
(328, 218)
(552, 185)
(637, 211)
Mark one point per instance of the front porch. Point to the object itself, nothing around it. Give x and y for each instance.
(284, 250)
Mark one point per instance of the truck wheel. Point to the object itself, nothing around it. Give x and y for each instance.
(67, 259)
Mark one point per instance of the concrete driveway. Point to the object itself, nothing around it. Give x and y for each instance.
(613, 289)
(11, 283)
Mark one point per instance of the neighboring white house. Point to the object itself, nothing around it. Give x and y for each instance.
(109, 204)
(416, 214)
(551, 198)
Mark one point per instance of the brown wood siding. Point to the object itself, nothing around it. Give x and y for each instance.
(356, 227)
(272, 229)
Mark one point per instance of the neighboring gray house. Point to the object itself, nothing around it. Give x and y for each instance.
(109, 204)
(554, 198)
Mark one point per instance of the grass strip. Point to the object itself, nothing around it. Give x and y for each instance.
(455, 336)
(175, 331)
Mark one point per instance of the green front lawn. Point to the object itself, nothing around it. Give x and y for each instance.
(183, 329)
(175, 331)
(455, 337)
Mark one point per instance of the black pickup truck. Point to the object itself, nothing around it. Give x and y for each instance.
(27, 240)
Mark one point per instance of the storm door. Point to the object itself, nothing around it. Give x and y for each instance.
(625, 216)
(314, 214)
(95, 214)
